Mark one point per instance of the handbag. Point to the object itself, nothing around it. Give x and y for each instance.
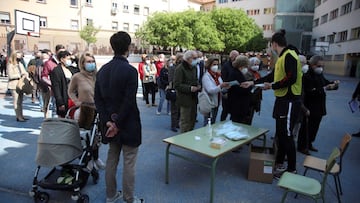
(170, 94)
(24, 85)
(205, 103)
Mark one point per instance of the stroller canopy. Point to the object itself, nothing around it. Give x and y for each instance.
(59, 142)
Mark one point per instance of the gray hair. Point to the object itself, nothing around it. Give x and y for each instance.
(241, 61)
(314, 60)
(302, 59)
(189, 54)
(254, 60)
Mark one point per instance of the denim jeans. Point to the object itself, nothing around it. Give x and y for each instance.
(128, 176)
(161, 102)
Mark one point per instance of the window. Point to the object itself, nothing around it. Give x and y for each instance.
(74, 25)
(331, 38)
(343, 36)
(146, 11)
(346, 8)
(41, 1)
(267, 27)
(136, 9)
(223, 1)
(324, 18)
(136, 27)
(322, 39)
(316, 22)
(4, 18)
(126, 27)
(357, 4)
(355, 33)
(43, 22)
(88, 2)
(313, 42)
(253, 12)
(334, 14)
(269, 10)
(114, 25)
(317, 3)
(114, 5)
(125, 8)
(74, 3)
(89, 21)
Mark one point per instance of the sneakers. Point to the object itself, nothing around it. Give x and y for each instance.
(138, 200)
(99, 164)
(278, 175)
(158, 113)
(117, 196)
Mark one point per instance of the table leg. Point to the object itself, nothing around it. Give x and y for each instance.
(213, 167)
(264, 140)
(167, 164)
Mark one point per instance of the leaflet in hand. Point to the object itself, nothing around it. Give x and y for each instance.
(234, 82)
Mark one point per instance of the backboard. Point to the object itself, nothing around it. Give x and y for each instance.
(27, 23)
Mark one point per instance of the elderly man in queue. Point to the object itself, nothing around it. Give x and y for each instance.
(186, 86)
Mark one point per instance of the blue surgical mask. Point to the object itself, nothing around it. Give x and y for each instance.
(90, 67)
(68, 62)
(194, 62)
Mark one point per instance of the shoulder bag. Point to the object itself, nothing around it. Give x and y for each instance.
(205, 103)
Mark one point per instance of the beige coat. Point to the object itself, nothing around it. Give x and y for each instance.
(14, 74)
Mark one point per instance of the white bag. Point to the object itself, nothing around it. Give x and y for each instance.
(205, 103)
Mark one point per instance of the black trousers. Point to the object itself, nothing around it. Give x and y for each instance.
(286, 113)
(150, 89)
(225, 109)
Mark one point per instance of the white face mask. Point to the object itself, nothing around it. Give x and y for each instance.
(68, 62)
(214, 68)
(318, 70)
(255, 68)
(305, 68)
(147, 61)
(244, 71)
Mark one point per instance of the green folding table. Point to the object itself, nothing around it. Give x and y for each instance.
(199, 142)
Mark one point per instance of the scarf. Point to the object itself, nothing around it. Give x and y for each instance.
(215, 76)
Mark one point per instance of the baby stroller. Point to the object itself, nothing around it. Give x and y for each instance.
(67, 149)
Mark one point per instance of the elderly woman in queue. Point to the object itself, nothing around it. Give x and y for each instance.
(60, 78)
(16, 70)
(239, 98)
(212, 84)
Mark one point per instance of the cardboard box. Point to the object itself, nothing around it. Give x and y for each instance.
(261, 165)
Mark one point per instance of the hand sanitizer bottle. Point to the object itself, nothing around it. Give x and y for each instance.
(209, 129)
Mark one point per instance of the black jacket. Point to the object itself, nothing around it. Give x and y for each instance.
(314, 93)
(59, 86)
(239, 99)
(115, 94)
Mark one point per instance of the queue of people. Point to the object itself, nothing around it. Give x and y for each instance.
(295, 83)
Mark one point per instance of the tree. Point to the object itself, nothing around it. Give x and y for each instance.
(88, 34)
(220, 30)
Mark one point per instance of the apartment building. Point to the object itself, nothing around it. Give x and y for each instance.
(336, 26)
(61, 21)
(262, 11)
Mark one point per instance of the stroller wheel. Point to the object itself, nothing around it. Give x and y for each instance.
(95, 176)
(42, 197)
(83, 199)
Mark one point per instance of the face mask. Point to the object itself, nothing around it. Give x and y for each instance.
(255, 68)
(318, 70)
(305, 68)
(147, 61)
(194, 62)
(244, 71)
(68, 63)
(90, 67)
(171, 64)
(214, 68)
(18, 59)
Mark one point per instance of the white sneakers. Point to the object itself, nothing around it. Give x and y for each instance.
(99, 164)
(114, 199)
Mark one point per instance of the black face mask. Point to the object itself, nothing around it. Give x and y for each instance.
(18, 59)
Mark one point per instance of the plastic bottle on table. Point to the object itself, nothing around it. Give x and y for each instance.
(209, 129)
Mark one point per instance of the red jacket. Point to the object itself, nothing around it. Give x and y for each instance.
(159, 65)
(141, 70)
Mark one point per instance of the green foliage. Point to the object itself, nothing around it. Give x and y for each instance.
(88, 34)
(220, 30)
